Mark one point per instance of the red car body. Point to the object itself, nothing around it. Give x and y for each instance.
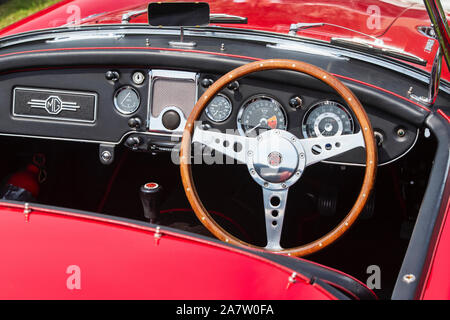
(396, 27)
(119, 259)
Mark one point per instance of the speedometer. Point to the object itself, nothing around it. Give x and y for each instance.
(327, 119)
(260, 113)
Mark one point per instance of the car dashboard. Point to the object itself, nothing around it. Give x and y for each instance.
(145, 109)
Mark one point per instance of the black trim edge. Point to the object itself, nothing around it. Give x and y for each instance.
(418, 254)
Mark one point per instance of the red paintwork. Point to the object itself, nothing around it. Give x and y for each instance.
(123, 261)
(437, 284)
(437, 280)
(264, 14)
(397, 26)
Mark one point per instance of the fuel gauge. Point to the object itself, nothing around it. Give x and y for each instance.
(127, 100)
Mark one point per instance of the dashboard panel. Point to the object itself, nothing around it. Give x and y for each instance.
(146, 109)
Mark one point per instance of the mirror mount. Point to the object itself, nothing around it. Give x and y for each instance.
(433, 85)
(181, 43)
(442, 35)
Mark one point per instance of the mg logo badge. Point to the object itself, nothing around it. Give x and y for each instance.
(274, 159)
(53, 105)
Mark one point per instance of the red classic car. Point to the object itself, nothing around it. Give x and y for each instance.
(149, 149)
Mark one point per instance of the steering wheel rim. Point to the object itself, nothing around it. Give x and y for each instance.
(320, 74)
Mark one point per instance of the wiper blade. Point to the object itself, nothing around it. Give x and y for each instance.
(371, 47)
(295, 27)
(213, 17)
(227, 18)
(376, 46)
(126, 17)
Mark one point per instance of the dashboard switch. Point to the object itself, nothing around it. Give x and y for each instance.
(379, 138)
(206, 82)
(171, 120)
(234, 86)
(296, 102)
(133, 142)
(112, 75)
(135, 122)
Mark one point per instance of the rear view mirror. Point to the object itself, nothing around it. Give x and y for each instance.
(178, 14)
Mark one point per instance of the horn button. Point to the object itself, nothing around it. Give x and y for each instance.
(278, 159)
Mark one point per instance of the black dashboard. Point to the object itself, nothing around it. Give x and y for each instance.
(145, 109)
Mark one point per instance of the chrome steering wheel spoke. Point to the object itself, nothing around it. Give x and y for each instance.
(319, 149)
(274, 207)
(233, 146)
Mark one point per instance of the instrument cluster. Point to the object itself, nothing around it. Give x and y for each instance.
(248, 107)
(262, 112)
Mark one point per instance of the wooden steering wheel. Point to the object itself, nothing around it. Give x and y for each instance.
(276, 158)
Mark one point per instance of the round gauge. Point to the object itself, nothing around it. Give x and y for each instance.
(259, 114)
(127, 100)
(219, 109)
(327, 119)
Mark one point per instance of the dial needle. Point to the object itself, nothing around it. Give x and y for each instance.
(126, 97)
(250, 130)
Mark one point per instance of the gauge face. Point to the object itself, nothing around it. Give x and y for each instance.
(260, 114)
(219, 109)
(327, 119)
(127, 100)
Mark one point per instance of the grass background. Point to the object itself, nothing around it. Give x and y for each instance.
(14, 10)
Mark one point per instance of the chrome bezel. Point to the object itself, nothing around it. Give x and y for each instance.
(320, 103)
(154, 123)
(117, 105)
(211, 117)
(297, 171)
(252, 99)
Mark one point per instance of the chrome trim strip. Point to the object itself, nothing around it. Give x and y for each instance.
(383, 50)
(174, 135)
(440, 25)
(271, 38)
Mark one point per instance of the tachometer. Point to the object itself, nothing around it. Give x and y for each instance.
(219, 109)
(260, 113)
(327, 119)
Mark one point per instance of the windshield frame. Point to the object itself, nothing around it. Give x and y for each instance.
(296, 43)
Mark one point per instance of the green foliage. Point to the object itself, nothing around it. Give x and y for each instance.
(14, 10)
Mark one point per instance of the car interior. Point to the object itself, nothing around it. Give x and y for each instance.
(97, 124)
